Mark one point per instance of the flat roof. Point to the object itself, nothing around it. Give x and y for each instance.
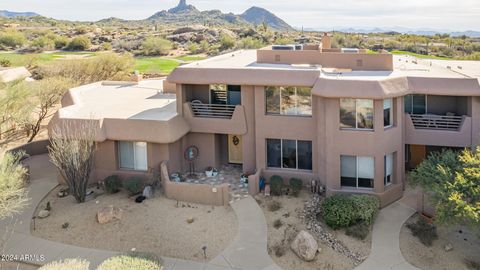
(120, 100)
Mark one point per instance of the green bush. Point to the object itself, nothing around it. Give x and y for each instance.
(250, 43)
(134, 260)
(425, 232)
(12, 39)
(79, 44)
(156, 46)
(43, 43)
(276, 185)
(71, 264)
(112, 184)
(366, 207)
(133, 185)
(5, 63)
(338, 211)
(296, 186)
(226, 42)
(359, 230)
(60, 42)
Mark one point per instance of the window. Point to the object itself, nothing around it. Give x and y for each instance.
(387, 113)
(356, 113)
(357, 172)
(288, 100)
(388, 169)
(133, 155)
(416, 104)
(289, 154)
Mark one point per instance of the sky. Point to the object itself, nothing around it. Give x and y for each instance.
(455, 15)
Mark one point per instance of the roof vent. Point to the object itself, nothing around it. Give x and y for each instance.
(350, 50)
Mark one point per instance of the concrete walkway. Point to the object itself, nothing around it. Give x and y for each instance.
(248, 251)
(386, 252)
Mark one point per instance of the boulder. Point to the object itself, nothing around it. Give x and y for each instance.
(148, 192)
(448, 247)
(108, 214)
(43, 213)
(305, 246)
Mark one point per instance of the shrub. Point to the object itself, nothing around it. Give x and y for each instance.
(12, 39)
(296, 186)
(132, 261)
(249, 43)
(5, 63)
(133, 185)
(79, 44)
(71, 264)
(274, 206)
(107, 46)
(193, 48)
(366, 207)
(338, 211)
(43, 43)
(359, 230)
(426, 233)
(226, 42)
(276, 185)
(279, 250)
(112, 184)
(156, 46)
(277, 223)
(60, 42)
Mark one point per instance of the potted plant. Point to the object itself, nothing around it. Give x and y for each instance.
(244, 179)
(214, 172)
(209, 172)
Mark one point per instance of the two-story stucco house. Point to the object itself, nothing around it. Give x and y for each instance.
(350, 119)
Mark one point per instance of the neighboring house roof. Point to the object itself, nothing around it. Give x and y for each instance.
(409, 75)
(14, 73)
(125, 111)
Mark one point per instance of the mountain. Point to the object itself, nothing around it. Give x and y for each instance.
(402, 30)
(184, 14)
(12, 14)
(257, 15)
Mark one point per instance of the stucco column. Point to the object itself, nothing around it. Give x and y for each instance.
(475, 114)
(180, 98)
(378, 185)
(248, 139)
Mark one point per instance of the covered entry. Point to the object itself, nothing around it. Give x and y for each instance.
(235, 154)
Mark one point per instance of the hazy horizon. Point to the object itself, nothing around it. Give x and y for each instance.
(451, 15)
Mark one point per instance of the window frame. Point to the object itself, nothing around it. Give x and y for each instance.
(411, 108)
(281, 106)
(356, 172)
(391, 118)
(356, 128)
(135, 169)
(385, 159)
(281, 155)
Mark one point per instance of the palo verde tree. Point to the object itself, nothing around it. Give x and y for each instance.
(72, 150)
(452, 179)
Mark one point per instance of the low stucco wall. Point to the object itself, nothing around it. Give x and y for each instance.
(33, 148)
(254, 183)
(193, 193)
(169, 87)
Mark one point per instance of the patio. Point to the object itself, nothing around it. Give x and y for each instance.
(228, 174)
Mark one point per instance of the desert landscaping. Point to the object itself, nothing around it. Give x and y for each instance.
(157, 225)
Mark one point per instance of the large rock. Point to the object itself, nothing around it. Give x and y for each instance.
(43, 213)
(305, 246)
(108, 214)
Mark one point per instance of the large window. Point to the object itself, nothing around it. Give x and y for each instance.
(357, 172)
(288, 100)
(132, 155)
(388, 112)
(356, 113)
(289, 154)
(388, 169)
(416, 104)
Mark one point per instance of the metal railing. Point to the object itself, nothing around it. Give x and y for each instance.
(213, 110)
(437, 122)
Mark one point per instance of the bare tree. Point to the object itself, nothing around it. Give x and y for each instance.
(72, 150)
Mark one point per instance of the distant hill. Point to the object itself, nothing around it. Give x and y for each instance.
(402, 30)
(257, 15)
(184, 14)
(12, 14)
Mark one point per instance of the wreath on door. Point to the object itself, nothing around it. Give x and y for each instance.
(235, 140)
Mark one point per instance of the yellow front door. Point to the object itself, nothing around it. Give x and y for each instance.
(235, 149)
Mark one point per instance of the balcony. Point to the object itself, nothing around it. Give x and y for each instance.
(212, 110)
(438, 130)
(437, 122)
(215, 118)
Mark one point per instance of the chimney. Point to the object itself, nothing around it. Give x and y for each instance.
(326, 41)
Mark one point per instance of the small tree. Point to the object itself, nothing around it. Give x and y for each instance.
(72, 148)
(156, 46)
(452, 180)
(79, 44)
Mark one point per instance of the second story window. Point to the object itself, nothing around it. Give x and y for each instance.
(356, 113)
(388, 112)
(288, 100)
(416, 104)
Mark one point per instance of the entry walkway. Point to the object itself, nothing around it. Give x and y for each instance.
(386, 252)
(248, 251)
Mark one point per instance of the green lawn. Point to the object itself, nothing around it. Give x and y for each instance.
(20, 59)
(420, 55)
(190, 58)
(155, 65)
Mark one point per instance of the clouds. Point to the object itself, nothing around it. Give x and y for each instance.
(438, 14)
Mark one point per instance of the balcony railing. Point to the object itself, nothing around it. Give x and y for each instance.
(213, 110)
(437, 122)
